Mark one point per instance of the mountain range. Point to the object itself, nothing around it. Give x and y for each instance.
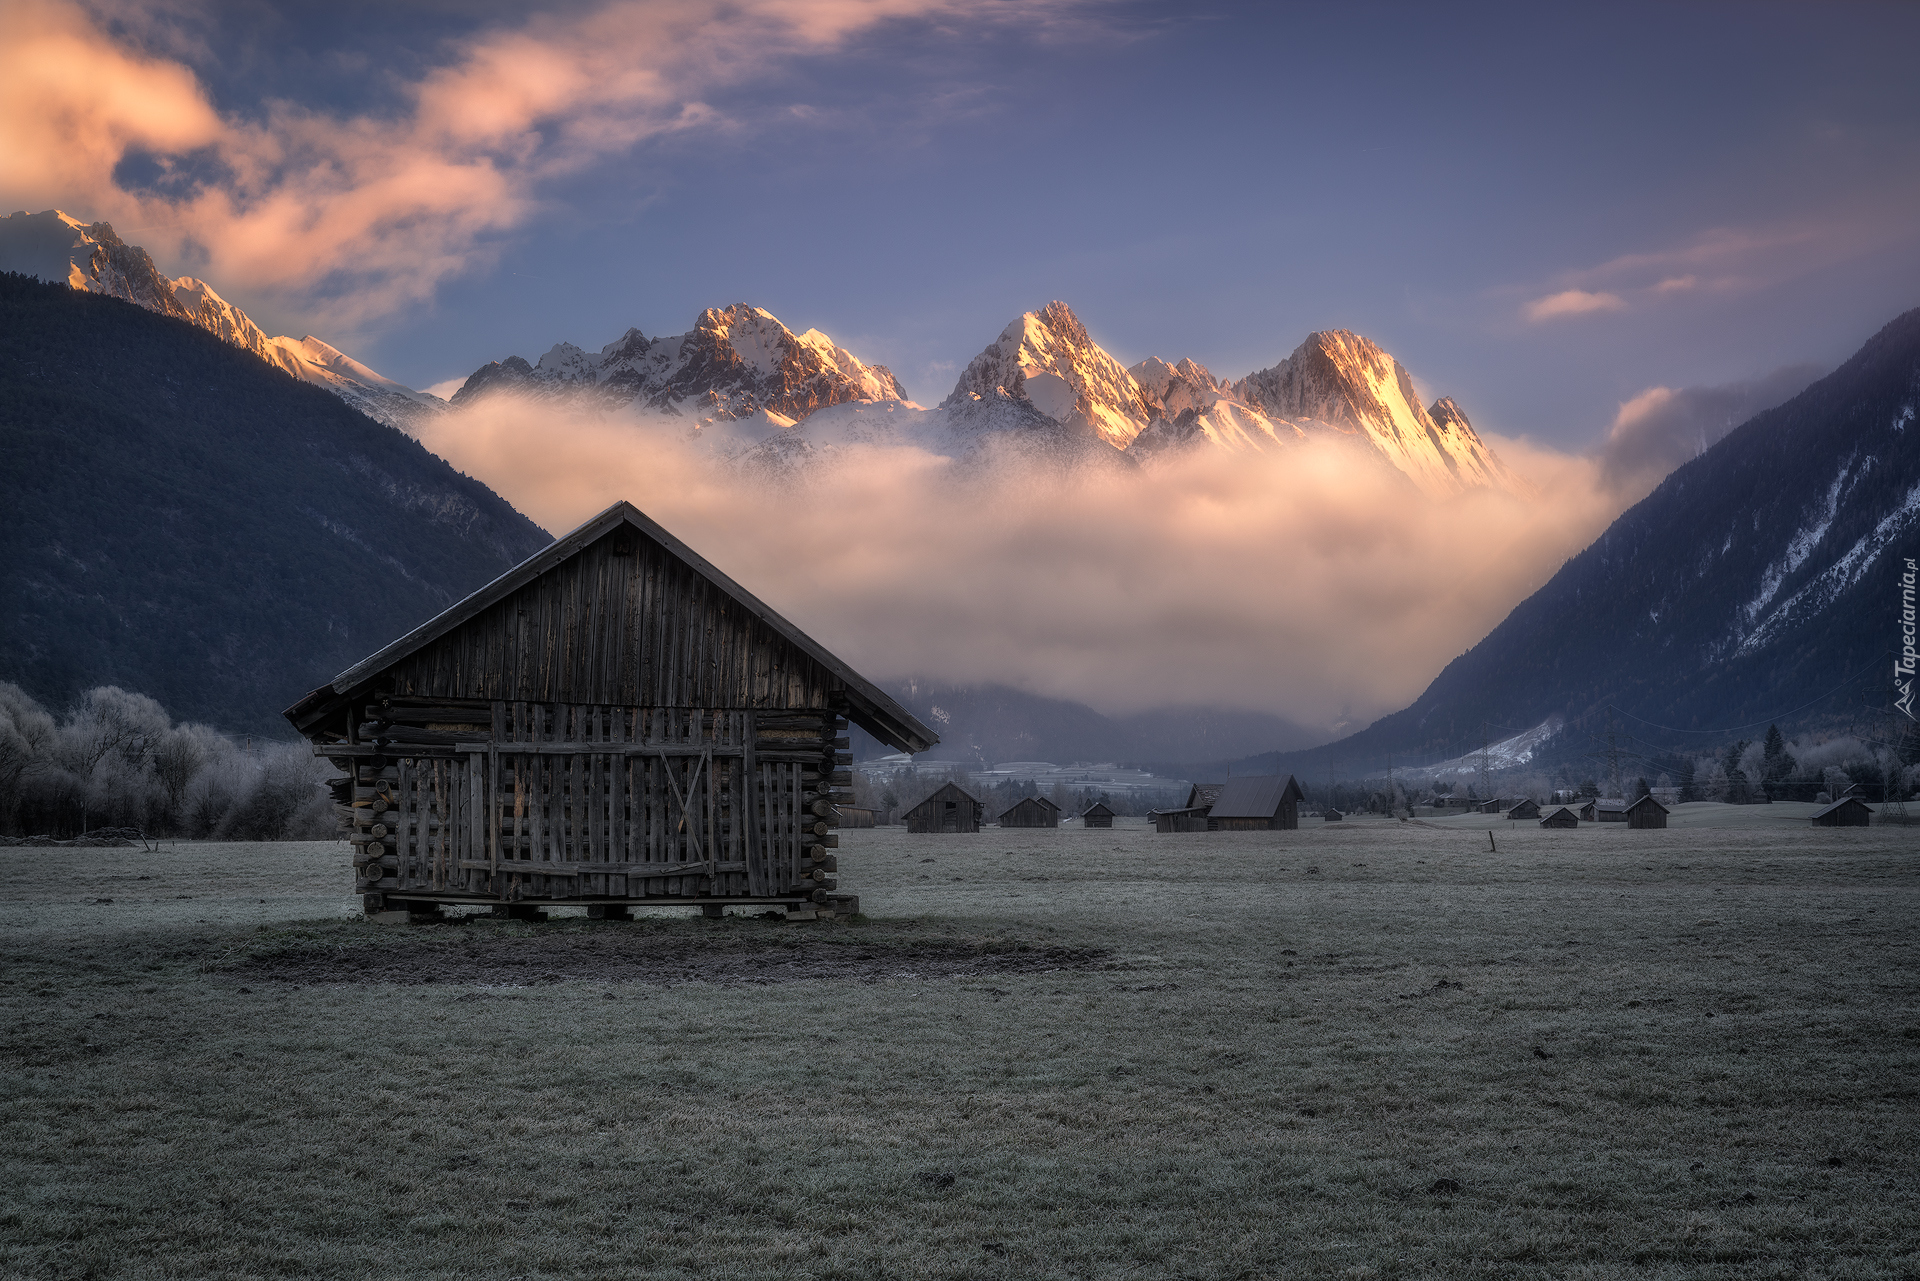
(746, 383)
(1044, 389)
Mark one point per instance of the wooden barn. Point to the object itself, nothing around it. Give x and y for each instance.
(613, 722)
(1848, 811)
(1562, 817)
(1257, 803)
(854, 816)
(1526, 807)
(1096, 815)
(951, 808)
(1191, 817)
(1031, 811)
(1332, 815)
(1614, 811)
(1647, 812)
(1492, 806)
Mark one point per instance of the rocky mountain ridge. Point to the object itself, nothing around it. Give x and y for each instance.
(89, 257)
(1335, 385)
(734, 363)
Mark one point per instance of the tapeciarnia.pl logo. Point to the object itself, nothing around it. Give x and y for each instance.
(1903, 665)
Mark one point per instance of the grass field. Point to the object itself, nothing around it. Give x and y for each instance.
(1366, 1049)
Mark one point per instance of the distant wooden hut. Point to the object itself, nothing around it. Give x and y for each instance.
(1562, 817)
(1493, 805)
(1191, 817)
(1614, 811)
(854, 816)
(1585, 810)
(1096, 815)
(1031, 811)
(1848, 811)
(1332, 815)
(1257, 803)
(1526, 807)
(612, 722)
(951, 808)
(1646, 812)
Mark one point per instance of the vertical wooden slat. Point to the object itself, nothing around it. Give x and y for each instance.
(748, 804)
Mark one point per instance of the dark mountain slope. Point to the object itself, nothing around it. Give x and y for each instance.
(1754, 580)
(187, 521)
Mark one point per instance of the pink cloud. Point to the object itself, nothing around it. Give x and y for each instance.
(1572, 302)
(375, 212)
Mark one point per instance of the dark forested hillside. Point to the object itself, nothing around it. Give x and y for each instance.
(181, 519)
(1749, 587)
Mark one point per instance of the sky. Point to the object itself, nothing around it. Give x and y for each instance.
(1609, 232)
(1543, 211)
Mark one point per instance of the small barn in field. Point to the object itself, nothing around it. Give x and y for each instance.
(854, 816)
(1562, 817)
(1848, 811)
(1031, 811)
(1647, 812)
(1614, 811)
(1257, 803)
(1332, 815)
(1524, 808)
(1096, 815)
(614, 721)
(1493, 805)
(1191, 817)
(951, 808)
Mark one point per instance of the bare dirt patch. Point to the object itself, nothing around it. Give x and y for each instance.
(662, 959)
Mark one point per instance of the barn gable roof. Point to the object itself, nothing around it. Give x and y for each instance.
(1844, 802)
(1647, 800)
(870, 708)
(1255, 796)
(942, 790)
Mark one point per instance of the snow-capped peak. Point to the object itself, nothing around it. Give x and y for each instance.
(1339, 381)
(1047, 358)
(736, 362)
(56, 246)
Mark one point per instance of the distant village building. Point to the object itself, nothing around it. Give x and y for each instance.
(1525, 808)
(1257, 803)
(1191, 817)
(1848, 811)
(1562, 817)
(1032, 811)
(951, 808)
(1646, 812)
(1096, 815)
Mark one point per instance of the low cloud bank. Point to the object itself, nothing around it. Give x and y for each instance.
(1304, 583)
(1663, 427)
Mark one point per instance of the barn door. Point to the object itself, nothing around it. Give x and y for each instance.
(773, 846)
